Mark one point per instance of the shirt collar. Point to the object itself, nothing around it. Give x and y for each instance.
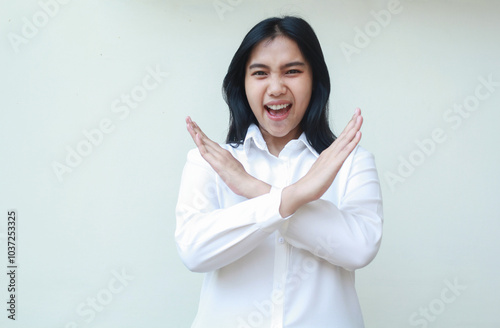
(254, 134)
(303, 139)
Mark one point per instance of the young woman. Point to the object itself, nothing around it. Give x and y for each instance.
(280, 216)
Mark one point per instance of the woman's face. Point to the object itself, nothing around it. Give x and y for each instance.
(278, 85)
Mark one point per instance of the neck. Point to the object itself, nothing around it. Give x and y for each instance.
(276, 144)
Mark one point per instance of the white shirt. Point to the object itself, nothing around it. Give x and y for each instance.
(263, 270)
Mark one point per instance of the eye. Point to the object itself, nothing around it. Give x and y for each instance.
(259, 73)
(293, 71)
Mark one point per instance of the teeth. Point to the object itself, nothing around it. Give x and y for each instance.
(277, 107)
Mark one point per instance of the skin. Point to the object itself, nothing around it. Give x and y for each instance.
(276, 72)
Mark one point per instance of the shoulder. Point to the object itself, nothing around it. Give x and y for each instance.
(194, 155)
(359, 159)
(361, 153)
(194, 158)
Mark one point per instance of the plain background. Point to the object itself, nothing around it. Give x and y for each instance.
(112, 213)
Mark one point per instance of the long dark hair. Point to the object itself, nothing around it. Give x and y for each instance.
(315, 120)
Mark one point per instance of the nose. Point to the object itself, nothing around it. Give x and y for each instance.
(276, 86)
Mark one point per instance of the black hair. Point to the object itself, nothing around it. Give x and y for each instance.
(315, 121)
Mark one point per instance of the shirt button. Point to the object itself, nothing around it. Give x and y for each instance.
(281, 240)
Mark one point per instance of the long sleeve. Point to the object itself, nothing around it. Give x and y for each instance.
(347, 234)
(215, 227)
(255, 261)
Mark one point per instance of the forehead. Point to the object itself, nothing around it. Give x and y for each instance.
(279, 50)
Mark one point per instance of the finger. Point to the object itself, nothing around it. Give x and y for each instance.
(213, 149)
(199, 138)
(189, 124)
(197, 129)
(357, 112)
(355, 118)
(199, 143)
(351, 134)
(349, 138)
(194, 129)
(352, 122)
(191, 131)
(354, 136)
(214, 158)
(207, 152)
(350, 130)
(353, 143)
(209, 143)
(358, 122)
(204, 143)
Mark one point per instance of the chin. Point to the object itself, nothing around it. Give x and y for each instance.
(279, 132)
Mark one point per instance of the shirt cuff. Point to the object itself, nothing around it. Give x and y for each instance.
(276, 220)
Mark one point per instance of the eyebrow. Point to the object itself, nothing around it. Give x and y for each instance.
(259, 65)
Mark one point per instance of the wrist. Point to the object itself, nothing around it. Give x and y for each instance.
(254, 187)
(291, 200)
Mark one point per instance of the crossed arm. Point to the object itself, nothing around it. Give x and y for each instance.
(309, 188)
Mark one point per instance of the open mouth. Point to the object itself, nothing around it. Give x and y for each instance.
(278, 112)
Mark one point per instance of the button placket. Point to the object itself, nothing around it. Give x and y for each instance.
(281, 257)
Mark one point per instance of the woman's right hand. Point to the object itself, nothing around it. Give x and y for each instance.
(227, 167)
(321, 175)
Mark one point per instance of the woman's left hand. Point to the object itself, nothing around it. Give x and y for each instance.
(227, 167)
